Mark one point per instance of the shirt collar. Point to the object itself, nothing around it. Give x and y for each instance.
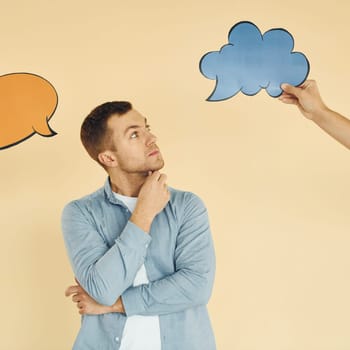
(109, 193)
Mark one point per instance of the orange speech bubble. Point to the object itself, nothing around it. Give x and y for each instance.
(27, 102)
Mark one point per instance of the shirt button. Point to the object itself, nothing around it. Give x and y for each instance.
(116, 339)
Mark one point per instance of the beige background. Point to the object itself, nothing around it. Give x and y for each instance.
(277, 188)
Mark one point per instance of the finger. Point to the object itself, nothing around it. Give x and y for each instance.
(162, 179)
(285, 94)
(288, 100)
(72, 290)
(307, 83)
(76, 298)
(291, 89)
(155, 174)
(78, 283)
(69, 291)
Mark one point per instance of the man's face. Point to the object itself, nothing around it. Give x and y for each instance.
(134, 145)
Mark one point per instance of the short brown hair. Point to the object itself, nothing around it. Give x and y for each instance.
(94, 131)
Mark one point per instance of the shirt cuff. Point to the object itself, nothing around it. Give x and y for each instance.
(132, 236)
(132, 301)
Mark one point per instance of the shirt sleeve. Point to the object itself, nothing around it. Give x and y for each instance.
(104, 272)
(191, 283)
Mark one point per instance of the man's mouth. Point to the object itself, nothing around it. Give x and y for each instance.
(153, 153)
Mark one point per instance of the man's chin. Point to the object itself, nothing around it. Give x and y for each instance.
(145, 173)
(157, 167)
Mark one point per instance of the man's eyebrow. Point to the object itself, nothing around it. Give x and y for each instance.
(131, 127)
(134, 127)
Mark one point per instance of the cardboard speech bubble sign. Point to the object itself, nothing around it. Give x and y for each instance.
(27, 102)
(252, 61)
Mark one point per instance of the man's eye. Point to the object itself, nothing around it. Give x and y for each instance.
(134, 135)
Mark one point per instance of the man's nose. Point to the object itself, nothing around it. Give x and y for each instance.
(151, 139)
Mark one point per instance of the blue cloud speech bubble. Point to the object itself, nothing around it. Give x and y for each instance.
(252, 61)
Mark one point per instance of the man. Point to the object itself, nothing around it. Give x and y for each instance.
(309, 101)
(142, 252)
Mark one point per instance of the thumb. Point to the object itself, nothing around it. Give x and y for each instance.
(290, 89)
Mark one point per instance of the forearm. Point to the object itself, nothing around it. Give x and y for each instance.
(104, 272)
(334, 124)
(174, 293)
(108, 277)
(192, 281)
(194, 260)
(311, 105)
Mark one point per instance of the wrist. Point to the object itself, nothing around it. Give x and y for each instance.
(109, 309)
(118, 306)
(320, 115)
(115, 307)
(141, 220)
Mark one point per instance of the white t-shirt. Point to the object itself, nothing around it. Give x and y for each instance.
(140, 332)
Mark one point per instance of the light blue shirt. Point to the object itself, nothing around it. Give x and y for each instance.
(106, 250)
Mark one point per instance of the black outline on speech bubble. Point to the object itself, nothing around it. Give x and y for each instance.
(47, 117)
(261, 87)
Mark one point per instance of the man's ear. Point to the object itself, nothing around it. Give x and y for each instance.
(108, 159)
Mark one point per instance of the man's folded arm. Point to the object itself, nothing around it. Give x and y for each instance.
(104, 272)
(191, 283)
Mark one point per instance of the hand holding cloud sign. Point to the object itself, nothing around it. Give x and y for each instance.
(252, 61)
(27, 102)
